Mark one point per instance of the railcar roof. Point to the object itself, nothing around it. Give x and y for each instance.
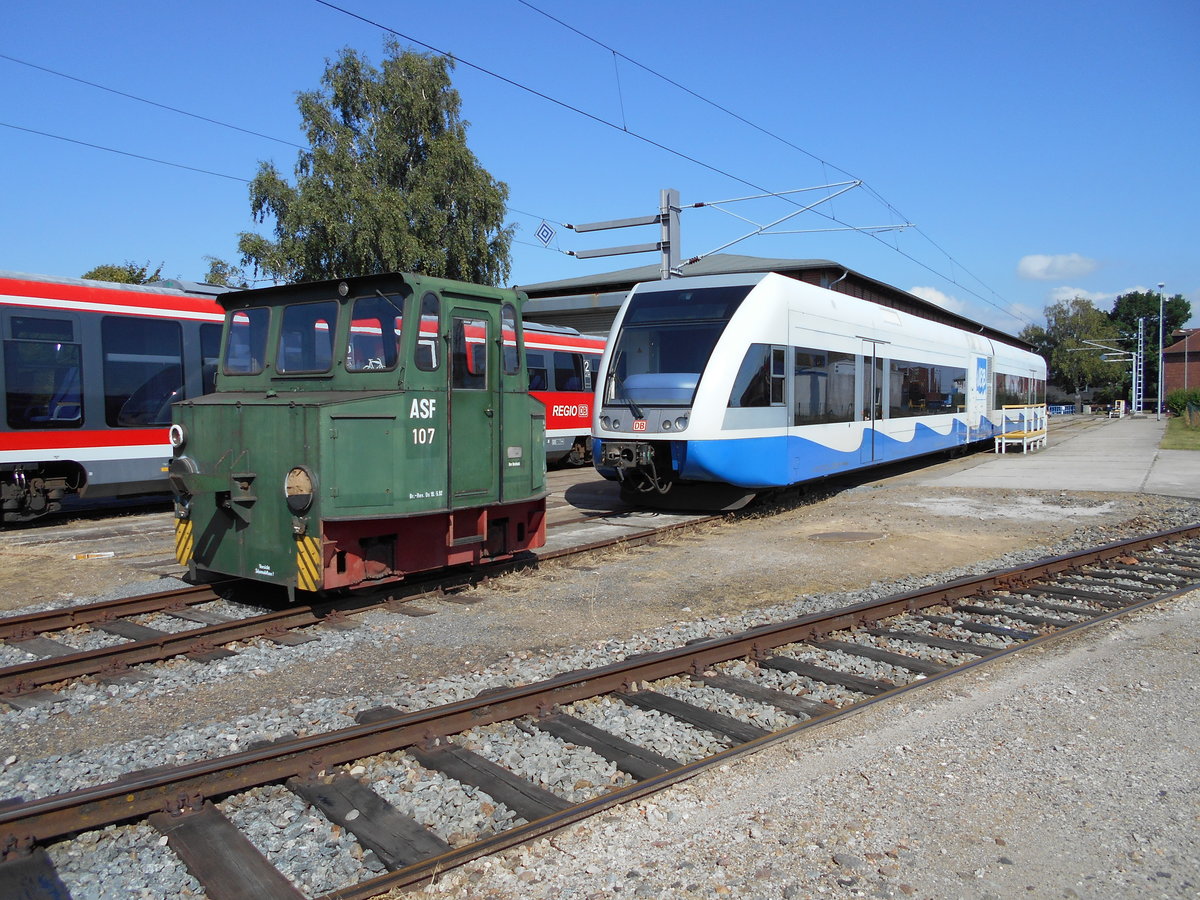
(608, 289)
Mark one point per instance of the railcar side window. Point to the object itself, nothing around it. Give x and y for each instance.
(920, 388)
(508, 328)
(143, 370)
(760, 379)
(375, 330)
(306, 338)
(822, 386)
(470, 347)
(246, 349)
(568, 371)
(539, 374)
(1012, 390)
(42, 372)
(428, 331)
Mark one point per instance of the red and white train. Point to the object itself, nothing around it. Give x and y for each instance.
(89, 370)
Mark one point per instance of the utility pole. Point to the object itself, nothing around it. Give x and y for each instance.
(667, 244)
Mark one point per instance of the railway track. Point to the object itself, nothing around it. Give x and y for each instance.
(373, 787)
(195, 622)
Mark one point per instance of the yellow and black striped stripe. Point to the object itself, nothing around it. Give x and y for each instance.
(308, 563)
(184, 545)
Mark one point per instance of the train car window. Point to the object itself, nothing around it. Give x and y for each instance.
(665, 341)
(306, 338)
(568, 371)
(760, 379)
(42, 374)
(591, 365)
(921, 388)
(508, 328)
(468, 366)
(822, 386)
(427, 333)
(376, 325)
(210, 352)
(539, 375)
(247, 347)
(143, 370)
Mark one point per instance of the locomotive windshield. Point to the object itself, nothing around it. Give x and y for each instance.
(664, 344)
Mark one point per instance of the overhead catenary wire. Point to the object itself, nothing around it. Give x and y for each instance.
(824, 164)
(163, 162)
(127, 95)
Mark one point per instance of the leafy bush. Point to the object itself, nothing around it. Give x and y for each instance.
(1178, 401)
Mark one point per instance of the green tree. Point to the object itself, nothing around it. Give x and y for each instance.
(129, 273)
(1076, 365)
(224, 273)
(1128, 308)
(388, 183)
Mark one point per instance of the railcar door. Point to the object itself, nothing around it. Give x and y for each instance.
(474, 392)
(870, 411)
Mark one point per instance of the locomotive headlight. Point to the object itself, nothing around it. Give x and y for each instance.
(298, 489)
(681, 423)
(666, 425)
(616, 424)
(605, 422)
(177, 436)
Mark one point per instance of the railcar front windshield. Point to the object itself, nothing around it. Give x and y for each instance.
(664, 344)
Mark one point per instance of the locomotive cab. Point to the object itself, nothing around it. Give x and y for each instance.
(361, 430)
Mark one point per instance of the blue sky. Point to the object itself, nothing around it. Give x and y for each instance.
(1043, 149)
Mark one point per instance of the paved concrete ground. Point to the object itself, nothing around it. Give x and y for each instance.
(1086, 454)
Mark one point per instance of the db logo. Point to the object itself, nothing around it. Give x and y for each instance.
(639, 424)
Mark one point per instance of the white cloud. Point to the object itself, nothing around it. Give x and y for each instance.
(937, 298)
(1050, 267)
(1099, 299)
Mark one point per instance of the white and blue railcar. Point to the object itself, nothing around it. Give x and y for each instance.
(716, 388)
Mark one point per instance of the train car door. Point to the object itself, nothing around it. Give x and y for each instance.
(978, 397)
(871, 398)
(474, 390)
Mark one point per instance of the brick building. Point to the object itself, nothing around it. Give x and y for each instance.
(1181, 362)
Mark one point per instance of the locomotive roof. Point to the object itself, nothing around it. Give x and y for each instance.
(590, 295)
(357, 285)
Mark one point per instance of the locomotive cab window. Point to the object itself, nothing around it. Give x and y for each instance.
(428, 330)
(470, 346)
(306, 338)
(375, 331)
(246, 348)
(43, 374)
(508, 327)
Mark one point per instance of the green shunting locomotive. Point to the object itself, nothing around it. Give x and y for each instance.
(362, 430)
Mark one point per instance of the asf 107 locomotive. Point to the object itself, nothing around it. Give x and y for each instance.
(361, 430)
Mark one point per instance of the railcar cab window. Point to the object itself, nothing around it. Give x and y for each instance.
(246, 346)
(665, 341)
(42, 374)
(306, 338)
(375, 331)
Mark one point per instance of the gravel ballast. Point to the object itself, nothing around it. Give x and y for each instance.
(797, 818)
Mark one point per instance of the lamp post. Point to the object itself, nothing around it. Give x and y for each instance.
(1159, 402)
